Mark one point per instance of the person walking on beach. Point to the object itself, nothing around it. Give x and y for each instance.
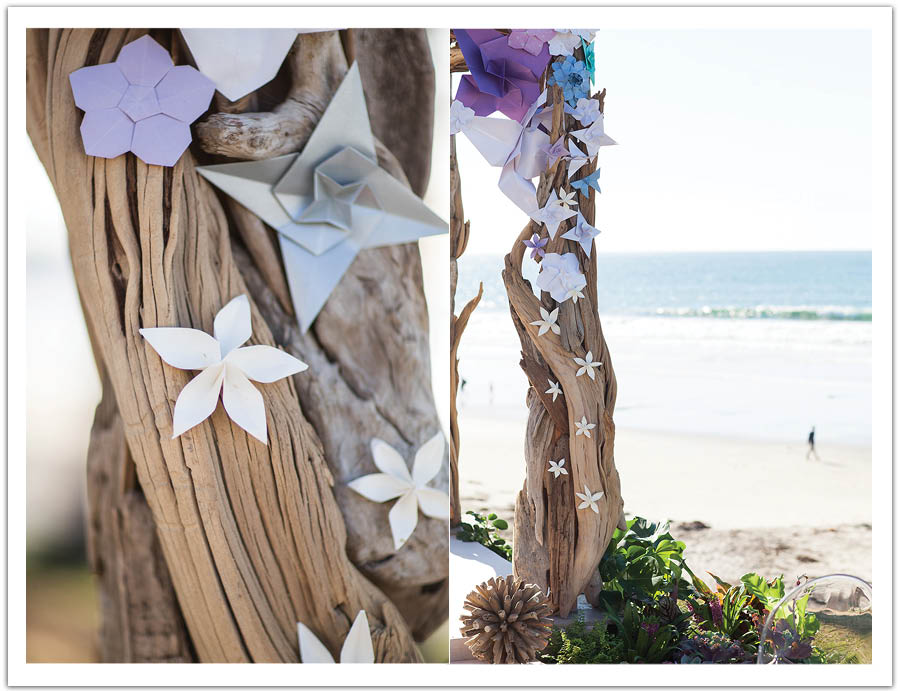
(812, 444)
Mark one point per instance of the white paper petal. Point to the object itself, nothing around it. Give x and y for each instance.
(183, 348)
(434, 503)
(358, 644)
(380, 486)
(311, 648)
(232, 324)
(264, 363)
(403, 518)
(244, 403)
(428, 460)
(389, 461)
(198, 399)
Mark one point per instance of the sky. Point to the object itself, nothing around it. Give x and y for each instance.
(729, 140)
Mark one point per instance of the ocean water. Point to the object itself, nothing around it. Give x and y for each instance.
(750, 345)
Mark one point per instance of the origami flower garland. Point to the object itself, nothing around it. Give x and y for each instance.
(140, 103)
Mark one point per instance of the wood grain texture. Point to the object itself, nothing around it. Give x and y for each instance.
(252, 535)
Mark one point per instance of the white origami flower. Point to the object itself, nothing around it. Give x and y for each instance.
(573, 290)
(554, 389)
(557, 468)
(226, 369)
(577, 159)
(564, 43)
(589, 500)
(587, 365)
(547, 322)
(567, 199)
(583, 233)
(357, 646)
(560, 274)
(584, 427)
(586, 110)
(553, 214)
(460, 117)
(594, 136)
(394, 481)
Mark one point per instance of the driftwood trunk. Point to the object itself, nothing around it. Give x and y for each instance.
(212, 546)
(558, 546)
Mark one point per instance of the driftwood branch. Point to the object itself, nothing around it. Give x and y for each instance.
(252, 535)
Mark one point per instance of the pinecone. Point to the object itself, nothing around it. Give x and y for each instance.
(507, 621)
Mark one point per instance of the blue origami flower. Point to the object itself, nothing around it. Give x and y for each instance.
(572, 76)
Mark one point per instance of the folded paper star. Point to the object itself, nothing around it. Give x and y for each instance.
(560, 276)
(226, 369)
(329, 201)
(501, 77)
(586, 183)
(577, 158)
(594, 136)
(394, 481)
(583, 233)
(140, 103)
(357, 646)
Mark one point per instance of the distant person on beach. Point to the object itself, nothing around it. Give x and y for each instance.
(812, 444)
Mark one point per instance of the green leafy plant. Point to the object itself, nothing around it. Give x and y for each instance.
(645, 638)
(484, 531)
(576, 644)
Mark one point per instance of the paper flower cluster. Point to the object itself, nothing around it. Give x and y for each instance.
(140, 103)
(561, 276)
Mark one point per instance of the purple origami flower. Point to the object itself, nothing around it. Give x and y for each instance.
(502, 77)
(140, 103)
(536, 245)
(530, 40)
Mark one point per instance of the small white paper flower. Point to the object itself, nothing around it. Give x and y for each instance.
(553, 214)
(587, 365)
(567, 199)
(574, 292)
(586, 110)
(564, 43)
(557, 468)
(357, 646)
(584, 427)
(394, 481)
(460, 117)
(554, 389)
(589, 500)
(225, 368)
(547, 322)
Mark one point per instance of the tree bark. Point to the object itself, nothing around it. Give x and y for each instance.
(556, 545)
(254, 537)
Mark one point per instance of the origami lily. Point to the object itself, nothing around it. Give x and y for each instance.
(357, 646)
(226, 369)
(536, 244)
(554, 389)
(594, 136)
(460, 117)
(583, 233)
(553, 213)
(587, 365)
(589, 181)
(589, 500)
(560, 273)
(547, 322)
(584, 427)
(557, 468)
(572, 77)
(394, 481)
(586, 110)
(530, 40)
(140, 103)
(501, 77)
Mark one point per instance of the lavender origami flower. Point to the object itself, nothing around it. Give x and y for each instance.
(502, 77)
(585, 111)
(572, 76)
(536, 244)
(140, 103)
(530, 40)
(583, 233)
(559, 275)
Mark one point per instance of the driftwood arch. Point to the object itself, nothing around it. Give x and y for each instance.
(212, 546)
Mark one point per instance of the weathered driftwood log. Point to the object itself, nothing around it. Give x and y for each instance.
(459, 238)
(251, 534)
(556, 545)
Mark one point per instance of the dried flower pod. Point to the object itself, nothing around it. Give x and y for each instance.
(507, 621)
